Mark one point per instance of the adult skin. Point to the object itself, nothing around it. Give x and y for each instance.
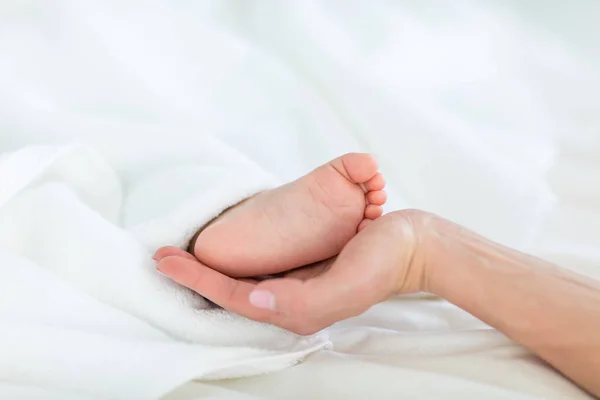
(551, 311)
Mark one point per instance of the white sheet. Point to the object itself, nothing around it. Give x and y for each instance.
(483, 113)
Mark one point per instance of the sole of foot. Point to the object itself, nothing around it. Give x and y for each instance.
(302, 222)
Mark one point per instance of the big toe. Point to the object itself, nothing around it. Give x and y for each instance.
(356, 167)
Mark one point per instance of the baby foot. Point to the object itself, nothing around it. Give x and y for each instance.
(302, 222)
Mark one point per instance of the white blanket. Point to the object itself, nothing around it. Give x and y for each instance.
(463, 124)
(83, 308)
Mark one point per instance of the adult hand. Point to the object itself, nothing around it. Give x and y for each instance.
(525, 298)
(384, 259)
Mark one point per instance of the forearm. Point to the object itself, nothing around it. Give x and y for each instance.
(553, 312)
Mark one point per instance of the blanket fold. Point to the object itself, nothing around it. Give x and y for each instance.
(83, 309)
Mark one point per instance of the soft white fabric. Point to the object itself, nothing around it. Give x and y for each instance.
(408, 348)
(83, 308)
(469, 105)
(298, 92)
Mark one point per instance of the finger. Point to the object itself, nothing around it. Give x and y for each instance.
(305, 307)
(231, 294)
(169, 251)
(289, 298)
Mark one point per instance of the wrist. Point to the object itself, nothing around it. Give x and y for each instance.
(448, 248)
(437, 241)
(419, 231)
(457, 257)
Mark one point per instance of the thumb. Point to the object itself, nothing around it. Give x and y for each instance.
(284, 295)
(303, 307)
(293, 303)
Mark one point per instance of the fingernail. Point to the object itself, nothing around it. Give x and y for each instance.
(262, 299)
(162, 273)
